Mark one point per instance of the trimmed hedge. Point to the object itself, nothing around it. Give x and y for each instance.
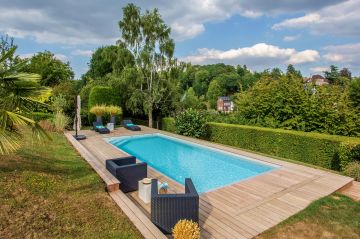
(328, 151)
(168, 124)
(102, 95)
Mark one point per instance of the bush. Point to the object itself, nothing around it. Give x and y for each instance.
(113, 110)
(102, 95)
(353, 170)
(186, 229)
(38, 116)
(47, 125)
(168, 124)
(61, 121)
(318, 149)
(190, 123)
(98, 110)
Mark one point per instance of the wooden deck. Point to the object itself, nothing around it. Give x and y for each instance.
(241, 210)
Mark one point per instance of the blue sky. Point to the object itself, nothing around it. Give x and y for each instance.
(261, 34)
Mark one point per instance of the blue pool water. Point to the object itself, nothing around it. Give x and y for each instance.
(179, 159)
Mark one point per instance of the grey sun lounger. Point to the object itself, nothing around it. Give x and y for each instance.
(128, 124)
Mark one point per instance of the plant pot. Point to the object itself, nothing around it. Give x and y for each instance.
(113, 119)
(99, 119)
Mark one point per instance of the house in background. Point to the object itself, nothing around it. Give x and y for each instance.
(225, 105)
(318, 80)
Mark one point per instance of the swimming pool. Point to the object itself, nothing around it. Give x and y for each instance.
(178, 159)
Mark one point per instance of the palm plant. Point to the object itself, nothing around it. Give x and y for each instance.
(18, 93)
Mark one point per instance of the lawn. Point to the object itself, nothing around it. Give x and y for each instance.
(48, 191)
(335, 216)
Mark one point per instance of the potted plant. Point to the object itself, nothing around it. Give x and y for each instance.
(113, 110)
(186, 229)
(99, 111)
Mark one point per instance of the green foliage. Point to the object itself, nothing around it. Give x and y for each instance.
(214, 91)
(68, 90)
(59, 103)
(19, 92)
(285, 103)
(148, 38)
(201, 83)
(190, 123)
(38, 116)
(109, 59)
(354, 92)
(52, 70)
(168, 124)
(229, 82)
(190, 100)
(61, 121)
(102, 95)
(333, 74)
(317, 149)
(353, 170)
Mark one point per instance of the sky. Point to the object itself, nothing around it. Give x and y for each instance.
(309, 34)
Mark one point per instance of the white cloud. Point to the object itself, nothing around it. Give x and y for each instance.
(348, 54)
(299, 22)
(318, 69)
(61, 57)
(258, 56)
(291, 38)
(304, 57)
(341, 20)
(93, 22)
(85, 53)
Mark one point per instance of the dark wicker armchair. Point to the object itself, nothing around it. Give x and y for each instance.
(168, 209)
(127, 171)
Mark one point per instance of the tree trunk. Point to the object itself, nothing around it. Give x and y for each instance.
(150, 117)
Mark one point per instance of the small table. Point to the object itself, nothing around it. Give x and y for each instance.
(145, 191)
(110, 126)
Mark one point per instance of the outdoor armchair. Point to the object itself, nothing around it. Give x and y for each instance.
(168, 209)
(127, 171)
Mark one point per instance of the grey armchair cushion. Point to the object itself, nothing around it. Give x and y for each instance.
(168, 209)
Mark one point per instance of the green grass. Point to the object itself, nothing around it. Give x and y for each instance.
(334, 216)
(48, 191)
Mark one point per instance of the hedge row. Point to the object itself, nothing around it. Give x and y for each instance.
(168, 124)
(328, 151)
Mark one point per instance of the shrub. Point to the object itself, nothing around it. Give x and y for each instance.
(98, 110)
(190, 123)
(61, 121)
(38, 116)
(314, 148)
(168, 124)
(353, 170)
(113, 110)
(186, 229)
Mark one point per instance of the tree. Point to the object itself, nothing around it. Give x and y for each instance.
(52, 70)
(333, 74)
(147, 37)
(354, 92)
(214, 92)
(190, 100)
(292, 72)
(229, 82)
(18, 93)
(345, 72)
(201, 82)
(109, 59)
